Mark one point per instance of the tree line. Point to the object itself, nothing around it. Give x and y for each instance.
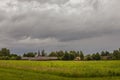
(79, 55)
(6, 55)
(63, 55)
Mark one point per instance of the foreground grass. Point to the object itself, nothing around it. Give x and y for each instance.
(57, 70)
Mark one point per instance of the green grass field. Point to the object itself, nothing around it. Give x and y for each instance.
(59, 70)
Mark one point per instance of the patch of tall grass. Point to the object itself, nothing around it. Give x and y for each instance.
(68, 69)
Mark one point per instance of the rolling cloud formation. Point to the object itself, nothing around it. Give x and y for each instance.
(59, 24)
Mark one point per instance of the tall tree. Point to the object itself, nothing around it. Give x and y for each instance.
(88, 57)
(71, 56)
(39, 53)
(5, 52)
(103, 53)
(43, 53)
(116, 55)
(53, 54)
(97, 56)
(66, 56)
(93, 56)
(81, 55)
(60, 53)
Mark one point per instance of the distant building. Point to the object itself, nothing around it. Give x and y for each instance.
(106, 57)
(39, 57)
(77, 59)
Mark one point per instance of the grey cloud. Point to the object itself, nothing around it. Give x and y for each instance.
(64, 20)
(49, 1)
(2, 16)
(47, 29)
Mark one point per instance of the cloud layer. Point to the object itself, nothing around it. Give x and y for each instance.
(58, 23)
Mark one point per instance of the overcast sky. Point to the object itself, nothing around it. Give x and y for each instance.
(88, 25)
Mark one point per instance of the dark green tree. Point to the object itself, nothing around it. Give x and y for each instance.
(39, 53)
(29, 54)
(97, 56)
(43, 53)
(5, 52)
(60, 53)
(93, 56)
(107, 53)
(66, 56)
(81, 55)
(72, 56)
(103, 53)
(14, 57)
(116, 55)
(53, 54)
(88, 57)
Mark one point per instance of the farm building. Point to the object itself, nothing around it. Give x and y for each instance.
(40, 58)
(106, 57)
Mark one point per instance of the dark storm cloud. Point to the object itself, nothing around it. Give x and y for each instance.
(45, 21)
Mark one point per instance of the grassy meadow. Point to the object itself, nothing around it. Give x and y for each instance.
(59, 70)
